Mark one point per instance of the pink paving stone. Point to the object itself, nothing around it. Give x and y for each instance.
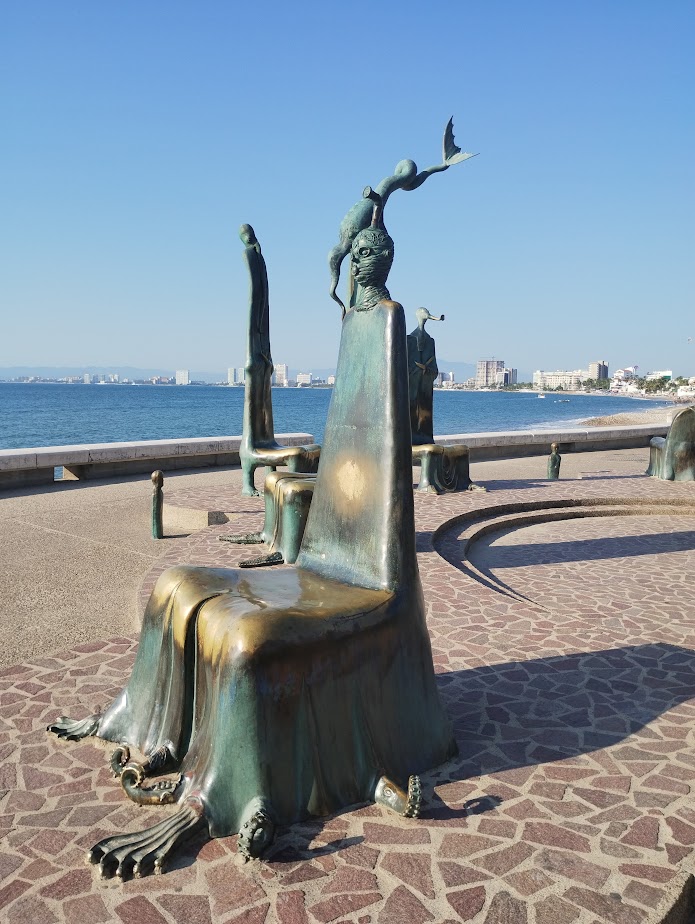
(230, 888)
(39, 869)
(251, 916)
(505, 909)
(290, 908)
(523, 810)
(528, 882)
(644, 894)
(555, 836)
(502, 861)
(30, 909)
(402, 906)
(76, 882)
(187, 909)
(463, 845)
(646, 871)
(386, 834)
(567, 864)
(350, 879)
(88, 909)
(553, 910)
(52, 841)
(139, 910)
(12, 891)
(456, 874)
(682, 832)
(412, 868)
(303, 873)
(9, 864)
(467, 902)
(332, 908)
(607, 908)
(644, 832)
(675, 853)
(598, 797)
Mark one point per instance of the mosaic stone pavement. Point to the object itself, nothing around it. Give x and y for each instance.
(564, 644)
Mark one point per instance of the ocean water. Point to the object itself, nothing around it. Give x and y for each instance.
(55, 415)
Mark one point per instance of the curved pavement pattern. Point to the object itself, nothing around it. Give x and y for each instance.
(565, 648)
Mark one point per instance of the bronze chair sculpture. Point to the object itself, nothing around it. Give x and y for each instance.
(285, 694)
(672, 458)
(258, 443)
(442, 468)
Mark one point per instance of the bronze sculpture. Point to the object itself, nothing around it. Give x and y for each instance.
(554, 460)
(277, 696)
(405, 176)
(422, 372)
(442, 468)
(258, 444)
(672, 457)
(157, 505)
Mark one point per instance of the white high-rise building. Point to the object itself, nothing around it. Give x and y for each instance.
(486, 372)
(304, 378)
(87, 378)
(559, 379)
(231, 376)
(281, 376)
(183, 377)
(240, 375)
(598, 370)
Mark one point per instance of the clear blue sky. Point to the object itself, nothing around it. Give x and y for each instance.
(138, 136)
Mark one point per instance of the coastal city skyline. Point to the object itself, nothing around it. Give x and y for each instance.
(127, 184)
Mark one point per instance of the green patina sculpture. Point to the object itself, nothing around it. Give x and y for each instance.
(422, 372)
(157, 505)
(405, 176)
(672, 458)
(442, 468)
(554, 460)
(286, 694)
(258, 444)
(287, 498)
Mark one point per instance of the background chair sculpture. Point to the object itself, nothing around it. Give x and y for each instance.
(284, 694)
(672, 457)
(442, 468)
(258, 443)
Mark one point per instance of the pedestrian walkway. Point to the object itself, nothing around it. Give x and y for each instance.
(563, 634)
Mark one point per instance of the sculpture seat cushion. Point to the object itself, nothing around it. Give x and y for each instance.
(442, 468)
(241, 671)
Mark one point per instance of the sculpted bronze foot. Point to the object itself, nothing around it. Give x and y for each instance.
(390, 795)
(257, 832)
(74, 729)
(273, 558)
(244, 538)
(146, 851)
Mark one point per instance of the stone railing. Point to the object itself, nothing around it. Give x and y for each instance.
(511, 444)
(105, 460)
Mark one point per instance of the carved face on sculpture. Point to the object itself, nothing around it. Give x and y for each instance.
(372, 256)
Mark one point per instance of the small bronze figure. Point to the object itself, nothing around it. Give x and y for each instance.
(554, 460)
(157, 505)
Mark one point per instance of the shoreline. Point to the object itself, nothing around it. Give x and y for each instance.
(661, 415)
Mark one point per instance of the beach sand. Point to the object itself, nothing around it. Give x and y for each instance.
(658, 415)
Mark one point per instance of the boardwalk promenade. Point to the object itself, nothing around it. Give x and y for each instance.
(562, 617)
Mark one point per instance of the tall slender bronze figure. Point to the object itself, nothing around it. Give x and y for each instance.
(279, 695)
(422, 372)
(258, 444)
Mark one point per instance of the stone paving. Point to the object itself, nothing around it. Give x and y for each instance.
(563, 634)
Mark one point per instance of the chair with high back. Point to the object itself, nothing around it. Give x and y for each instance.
(672, 458)
(280, 695)
(258, 444)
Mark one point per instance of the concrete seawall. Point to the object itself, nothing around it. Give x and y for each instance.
(107, 460)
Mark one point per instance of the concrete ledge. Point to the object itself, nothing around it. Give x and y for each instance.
(512, 444)
(105, 460)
